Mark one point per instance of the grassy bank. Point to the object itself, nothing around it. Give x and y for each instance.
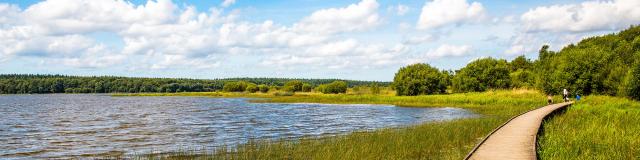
(598, 127)
(436, 140)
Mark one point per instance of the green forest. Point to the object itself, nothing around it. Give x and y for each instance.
(602, 65)
(32, 84)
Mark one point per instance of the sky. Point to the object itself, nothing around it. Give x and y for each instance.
(344, 39)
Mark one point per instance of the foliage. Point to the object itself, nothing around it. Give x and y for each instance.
(419, 79)
(520, 63)
(263, 88)
(334, 87)
(634, 83)
(596, 65)
(306, 87)
(482, 74)
(239, 86)
(293, 86)
(252, 88)
(27, 83)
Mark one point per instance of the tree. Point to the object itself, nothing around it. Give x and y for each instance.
(239, 86)
(520, 62)
(306, 87)
(334, 87)
(263, 88)
(482, 74)
(252, 88)
(634, 83)
(293, 86)
(417, 79)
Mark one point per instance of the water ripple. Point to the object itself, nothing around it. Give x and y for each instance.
(80, 126)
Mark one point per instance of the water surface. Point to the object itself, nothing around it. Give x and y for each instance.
(72, 126)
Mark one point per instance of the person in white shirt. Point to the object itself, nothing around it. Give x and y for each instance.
(565, 95)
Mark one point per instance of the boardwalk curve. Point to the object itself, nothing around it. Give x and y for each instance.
(515, 139)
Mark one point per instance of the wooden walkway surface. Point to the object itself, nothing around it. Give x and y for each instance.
(516, 139)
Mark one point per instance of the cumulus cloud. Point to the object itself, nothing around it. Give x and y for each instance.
(162, 35)
(583, 17)
(400, 9)
(415, 40)
(439, 13)
(447, 50)
(227, 3)
(61, 29)
(355, 17)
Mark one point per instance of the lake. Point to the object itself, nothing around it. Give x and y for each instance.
(86, 125)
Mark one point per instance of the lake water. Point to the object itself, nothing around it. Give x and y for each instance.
(68, 126)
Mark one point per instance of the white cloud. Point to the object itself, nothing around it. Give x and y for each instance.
(401, 10)
(415, 40)
(447, 50)
(517, 49)
(227, 3)
(355, 17)
(583, 17)
(9, 14)
(163, 35)
(439, 13)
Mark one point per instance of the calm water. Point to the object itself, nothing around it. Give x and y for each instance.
(64, 126)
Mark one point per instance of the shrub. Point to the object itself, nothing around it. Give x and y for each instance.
(634, 83)
(306, 87)
(293, 86)
(334, 87)
(263, 88)
(239, 86)
(417, 79)
(252, 88)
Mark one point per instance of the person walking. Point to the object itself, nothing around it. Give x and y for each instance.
(565, 95)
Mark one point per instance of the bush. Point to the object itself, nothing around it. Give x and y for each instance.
(334, 87)
(263, 88)
(417, 79)
(293, 86)
(239, 86)
(634, 83)
(306, 87)
(482, 74)
(252, 88)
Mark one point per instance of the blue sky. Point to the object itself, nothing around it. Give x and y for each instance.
(346, 39)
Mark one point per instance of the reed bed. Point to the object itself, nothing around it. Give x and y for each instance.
(597, 127)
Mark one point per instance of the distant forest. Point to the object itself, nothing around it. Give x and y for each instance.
(28, 83)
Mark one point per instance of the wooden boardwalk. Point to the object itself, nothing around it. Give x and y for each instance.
(516, 139)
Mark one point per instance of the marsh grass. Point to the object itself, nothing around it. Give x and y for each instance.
(432, 140)
(597, 127)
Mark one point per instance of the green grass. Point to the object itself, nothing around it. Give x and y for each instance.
(435, 140)
(597, 127)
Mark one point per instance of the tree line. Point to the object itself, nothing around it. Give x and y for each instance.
(602, 65)
(35, 83)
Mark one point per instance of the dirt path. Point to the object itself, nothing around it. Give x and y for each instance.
(516, 139)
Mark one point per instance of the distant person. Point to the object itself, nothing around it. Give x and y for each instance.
(565, 95)
(549, 99)
(577, 97)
